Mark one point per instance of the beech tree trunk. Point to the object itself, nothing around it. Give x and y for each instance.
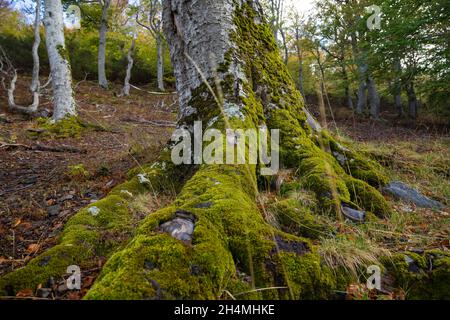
(160, 61)
(367, 90)
(126, 85)
(397, 90)
(374, 99)
(300, 61)
(35, 50)
(102, 80)
(63, 99)
(412, 100)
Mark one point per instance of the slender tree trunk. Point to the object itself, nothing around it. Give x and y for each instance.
(102, 80)
(35, 50)
(160, 62)
(300, 62)
(126, 86)
(398, 88)
(348, 96)
(285, 47)
(374, 99)
(412, 100)
(362, 76)
(63, 100)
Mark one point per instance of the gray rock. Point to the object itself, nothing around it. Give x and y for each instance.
(182, 227)
(204, 205)
(44, 292)
(53, 210)
(353, 214)
(405, 193)
(66, 198)
(412, 266)
(62, 288)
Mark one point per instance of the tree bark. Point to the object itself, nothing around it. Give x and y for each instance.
(63, 101)
(374, 99)
(397, 88)
(160, 62)
(102, 80)
(126, 85)
(285, 46)
(35, 50)
(300, 61)
(366, 83)
(412, 100)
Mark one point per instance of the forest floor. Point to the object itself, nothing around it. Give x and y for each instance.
(41, 190)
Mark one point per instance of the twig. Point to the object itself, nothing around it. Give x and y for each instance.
(157, 123)
(80, 82)
(152, 92)
(40, 147)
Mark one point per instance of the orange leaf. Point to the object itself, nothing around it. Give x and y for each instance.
(18, 221)
(32, 248)
(25, 293)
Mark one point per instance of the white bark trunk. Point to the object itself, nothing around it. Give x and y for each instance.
(412, 100)
(374, 99)
(102, 81)
(34, 87)
(207, 49)
(63, 100)
(126, 85)
(160, 62)
(31, 109)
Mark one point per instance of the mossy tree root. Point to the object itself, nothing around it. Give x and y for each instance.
(231, 238)
(92, 234)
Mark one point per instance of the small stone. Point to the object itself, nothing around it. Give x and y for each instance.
(66, 198)
(127, 193)
(182, 227)
(50, 282)
(44, 292)
(204, 205)
(143, 179)
(149, 265)
(353, 215)
(44, 261)
(91, 195)
(110, 184)
(53, 210)
(412, 266)
(195, 270)
(94, 211)
(62, 288)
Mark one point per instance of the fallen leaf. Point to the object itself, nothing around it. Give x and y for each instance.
(25, 293)
(18, 221)
(32, 248)
(75, 295)
(87, 281)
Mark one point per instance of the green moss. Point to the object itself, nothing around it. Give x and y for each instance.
(230, 234)
(308, 278)
(368, 198)
(66, 128)
(63, 53)
(86, 238)
(295, 218)
(425, 278)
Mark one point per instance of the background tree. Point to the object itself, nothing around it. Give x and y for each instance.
(63, 99)
(102, 80)
(150, 17)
